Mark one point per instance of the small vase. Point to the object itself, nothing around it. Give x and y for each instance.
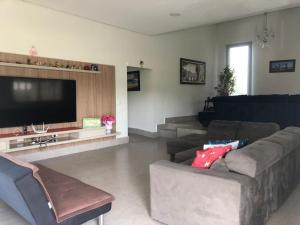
(108, 127)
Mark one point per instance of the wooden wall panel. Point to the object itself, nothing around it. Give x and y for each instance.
(95, 92)
(108, 91)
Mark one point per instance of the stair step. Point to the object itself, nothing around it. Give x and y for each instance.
(187, 131)
(167, 133)
(174, 126)
(181, 119)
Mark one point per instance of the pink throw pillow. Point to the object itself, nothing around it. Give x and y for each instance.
(205, 158)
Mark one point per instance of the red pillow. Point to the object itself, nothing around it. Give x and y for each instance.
(205, 158)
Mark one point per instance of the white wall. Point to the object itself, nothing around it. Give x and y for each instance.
(285, 46)
(58, 35)
(161, 93)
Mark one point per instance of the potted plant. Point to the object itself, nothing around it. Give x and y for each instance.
(226, 82)
(108, 121)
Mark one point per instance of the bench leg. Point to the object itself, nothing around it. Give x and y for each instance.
(101, 220)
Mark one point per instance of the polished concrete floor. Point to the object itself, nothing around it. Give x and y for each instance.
(123, 171)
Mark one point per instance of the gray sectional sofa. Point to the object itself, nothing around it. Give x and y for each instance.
(245, 188)
(184, 148)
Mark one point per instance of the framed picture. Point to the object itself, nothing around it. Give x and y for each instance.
(282, 66)
(192, 71)
(133, 81)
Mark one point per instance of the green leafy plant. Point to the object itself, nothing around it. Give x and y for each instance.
(226, 82)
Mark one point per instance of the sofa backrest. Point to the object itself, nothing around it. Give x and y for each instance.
(253, 131)
(222, 129)
(21, 191)
(10, 174)
(253, 159)
(259, 108)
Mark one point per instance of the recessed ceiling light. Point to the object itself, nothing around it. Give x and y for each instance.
(175, 14)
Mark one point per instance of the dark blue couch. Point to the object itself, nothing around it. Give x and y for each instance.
(23, 193)
(281, 109)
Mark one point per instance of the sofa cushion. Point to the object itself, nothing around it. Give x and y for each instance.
(254, 158)
(287, 140)
(187, 162)
(253, 131)
(294, 130)
(71, 197)
(220, 165)
(221, 129)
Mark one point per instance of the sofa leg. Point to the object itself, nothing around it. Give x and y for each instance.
(172, 157)
(100, 220)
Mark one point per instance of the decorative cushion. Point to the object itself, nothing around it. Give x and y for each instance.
(234, 145)
(220, 142)
(241, 143)
(205, 158)
(255, 158)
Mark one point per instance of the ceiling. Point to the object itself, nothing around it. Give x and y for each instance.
(152, 16)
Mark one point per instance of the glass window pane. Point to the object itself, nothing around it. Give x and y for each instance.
(239, 62)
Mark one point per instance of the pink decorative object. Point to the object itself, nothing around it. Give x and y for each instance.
(33, 51)
(205, 158)
(108, 121)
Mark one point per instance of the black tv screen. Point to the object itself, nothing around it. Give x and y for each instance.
(26, 101)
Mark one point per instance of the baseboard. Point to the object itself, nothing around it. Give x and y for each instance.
(98, 145)
(143, 132)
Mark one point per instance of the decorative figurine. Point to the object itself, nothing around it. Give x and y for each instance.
(141, 64)
(94, 67)
(33, 51)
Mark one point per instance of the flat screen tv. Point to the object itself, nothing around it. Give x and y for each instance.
(26, 101)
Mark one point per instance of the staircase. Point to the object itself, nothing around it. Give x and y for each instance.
(180, 126)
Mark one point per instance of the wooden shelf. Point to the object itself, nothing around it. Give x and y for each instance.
(11, 143)
(47, 68)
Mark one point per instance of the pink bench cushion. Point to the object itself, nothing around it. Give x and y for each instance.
(69, 196)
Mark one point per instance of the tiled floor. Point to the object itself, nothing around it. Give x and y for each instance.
(123, 171)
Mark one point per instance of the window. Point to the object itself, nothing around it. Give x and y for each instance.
(239, 59)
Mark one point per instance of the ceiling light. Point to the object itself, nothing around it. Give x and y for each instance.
(266, 35)
(175, 14)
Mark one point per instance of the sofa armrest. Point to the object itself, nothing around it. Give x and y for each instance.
(181, 194)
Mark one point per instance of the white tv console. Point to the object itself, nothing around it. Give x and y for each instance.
(19, 142)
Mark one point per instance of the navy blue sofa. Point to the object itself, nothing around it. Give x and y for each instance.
(20, 190)
(280, 109)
